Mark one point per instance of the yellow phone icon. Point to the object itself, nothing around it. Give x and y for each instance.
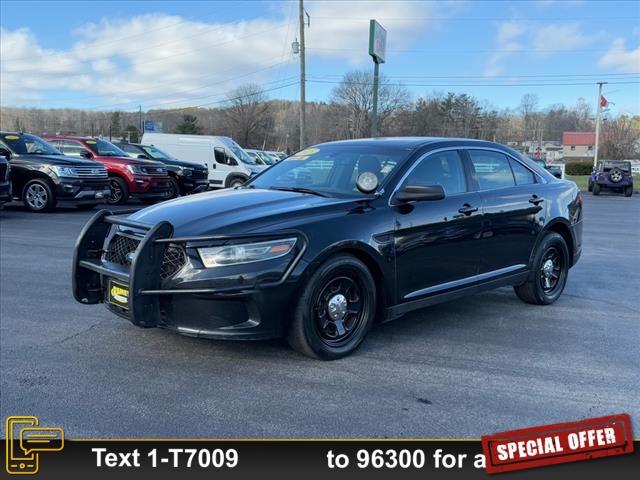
(19, 462)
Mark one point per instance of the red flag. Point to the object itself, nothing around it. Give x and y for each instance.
(603, 101)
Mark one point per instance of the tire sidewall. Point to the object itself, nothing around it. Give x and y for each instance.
(125, 191)
(51, 201)
(344, 265)
(175, 186)
(552, 239)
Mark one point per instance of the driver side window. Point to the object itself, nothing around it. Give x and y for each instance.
(443, 168)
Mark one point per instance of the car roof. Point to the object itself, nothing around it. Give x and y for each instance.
(414, 142)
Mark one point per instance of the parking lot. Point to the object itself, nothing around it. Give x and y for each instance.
(483, 364)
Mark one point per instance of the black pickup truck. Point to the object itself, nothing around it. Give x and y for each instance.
(42, 177)
(5, 182)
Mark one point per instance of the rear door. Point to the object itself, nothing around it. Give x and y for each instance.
(437, 242)
(513, 201)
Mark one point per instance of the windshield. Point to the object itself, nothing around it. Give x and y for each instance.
(330, 169)
(266, 158)
(104, 148)
(156, 153)
(241, 155)
(29, 144)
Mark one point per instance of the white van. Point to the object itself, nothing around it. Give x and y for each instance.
(229, 165)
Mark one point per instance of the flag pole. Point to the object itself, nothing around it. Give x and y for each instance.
(598, 113)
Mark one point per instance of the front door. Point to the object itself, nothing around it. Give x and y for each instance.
(220, 167)
(437, 241)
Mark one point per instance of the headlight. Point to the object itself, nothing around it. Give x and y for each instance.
(136, 169)
(64, 171)
(245, 253)
(187, 172)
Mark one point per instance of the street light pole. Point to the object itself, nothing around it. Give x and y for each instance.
(598, 113)
(303, 116)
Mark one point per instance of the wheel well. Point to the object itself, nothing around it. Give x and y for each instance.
(33, 176)
(377, 277)
(232, 176)
(563, 230)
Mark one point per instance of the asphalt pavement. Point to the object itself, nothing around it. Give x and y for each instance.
(476, 366)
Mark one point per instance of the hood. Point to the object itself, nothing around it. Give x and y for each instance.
(183, 163)
(129, 160)
(241, 211)
(58, 160)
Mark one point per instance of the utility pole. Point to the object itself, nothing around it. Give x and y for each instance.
(598, 112)
(377, 50)
(303, 113)
(141, 122)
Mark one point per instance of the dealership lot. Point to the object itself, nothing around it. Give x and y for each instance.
(483, 364)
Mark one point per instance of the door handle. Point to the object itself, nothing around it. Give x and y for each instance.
(467, 209)
(536, 200)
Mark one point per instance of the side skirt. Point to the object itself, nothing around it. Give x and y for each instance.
(398, 310)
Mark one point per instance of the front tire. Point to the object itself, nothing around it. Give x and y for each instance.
(236, 182)
(38, 196)
(550, 268)
(174, 188)
(119, 192)
(596, 189)
(335, 311)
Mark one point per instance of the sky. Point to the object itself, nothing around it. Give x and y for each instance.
(120, 55)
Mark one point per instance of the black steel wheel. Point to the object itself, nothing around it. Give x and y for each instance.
(174, 188)
(549, 271)
(335, 310)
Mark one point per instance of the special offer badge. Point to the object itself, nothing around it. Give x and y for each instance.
(559, 443)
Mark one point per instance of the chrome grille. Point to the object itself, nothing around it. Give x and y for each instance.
(121, 246)
(97, 171)
(160, 171)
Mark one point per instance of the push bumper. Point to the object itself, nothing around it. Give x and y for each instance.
(197, 303)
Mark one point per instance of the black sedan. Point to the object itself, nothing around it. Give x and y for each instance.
(322, 245)
(185, 177)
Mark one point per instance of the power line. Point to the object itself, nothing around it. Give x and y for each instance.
(580, 75)
(457, 18)
(485, 50)
(470, 84)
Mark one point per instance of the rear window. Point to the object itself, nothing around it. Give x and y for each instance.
(625, 166)
(492, 169)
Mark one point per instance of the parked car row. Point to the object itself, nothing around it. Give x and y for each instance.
(86, 171)
(265, 157)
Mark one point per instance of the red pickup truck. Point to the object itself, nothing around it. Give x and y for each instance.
(128, 177)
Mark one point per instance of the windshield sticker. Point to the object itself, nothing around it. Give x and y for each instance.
(11, 137)
(308, 151)
(91, 142)
(297, 157)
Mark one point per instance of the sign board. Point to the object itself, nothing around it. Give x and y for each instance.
(377, 41)
(152, 126)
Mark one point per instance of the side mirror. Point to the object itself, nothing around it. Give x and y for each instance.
(143, 157)
(86, 154)
(418, 193)
(5, 153)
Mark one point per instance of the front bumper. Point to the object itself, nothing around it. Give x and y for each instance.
(190, 185)
(81, 190)
(143, 186)
(211, 303)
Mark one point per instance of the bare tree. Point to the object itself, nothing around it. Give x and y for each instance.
(528, 109)
(621, 139)
(249, 114)
(356, 93)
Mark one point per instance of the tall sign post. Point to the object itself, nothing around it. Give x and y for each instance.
(377, 50)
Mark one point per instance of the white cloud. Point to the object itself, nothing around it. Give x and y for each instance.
(553, 38)
(620, 59)
(163, 59)
(506, 45)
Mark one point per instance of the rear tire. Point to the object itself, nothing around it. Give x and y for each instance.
(38, 196)
(549, 271)
(335, 311)
(119, 193)
(596, 189)
(628, 191)
(590, 186)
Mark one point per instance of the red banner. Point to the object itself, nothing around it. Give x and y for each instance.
(559, 443)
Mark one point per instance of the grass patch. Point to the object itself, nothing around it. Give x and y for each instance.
(583, 180)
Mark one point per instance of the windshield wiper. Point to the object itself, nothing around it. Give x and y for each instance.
(300, 190)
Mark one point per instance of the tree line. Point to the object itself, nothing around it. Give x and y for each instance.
(255, 121)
